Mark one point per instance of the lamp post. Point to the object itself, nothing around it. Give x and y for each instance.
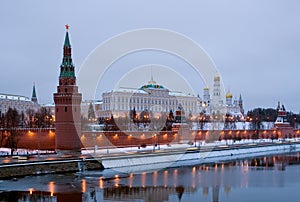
(107, 151)
(38, 139)
(158, 141)
(94, 141)
(130, 141)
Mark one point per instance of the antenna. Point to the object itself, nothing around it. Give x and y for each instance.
(151, 76)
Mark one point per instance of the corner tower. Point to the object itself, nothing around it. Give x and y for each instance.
(67, 105)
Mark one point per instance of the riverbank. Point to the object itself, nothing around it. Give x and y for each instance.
(133, 159)
(170, 157)
(39, 167)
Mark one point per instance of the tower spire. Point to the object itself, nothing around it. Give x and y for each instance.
(67, 67)
(241, 104)
(67, 40)
(33, 96)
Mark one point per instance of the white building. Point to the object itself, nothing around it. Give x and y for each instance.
(152, 97)
(18, 102)
(217, 105)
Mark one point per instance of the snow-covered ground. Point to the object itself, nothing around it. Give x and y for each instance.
(112, 150)
(237, 125)
(6, 151)
(201, 144)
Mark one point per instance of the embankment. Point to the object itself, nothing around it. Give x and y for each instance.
(11, 170)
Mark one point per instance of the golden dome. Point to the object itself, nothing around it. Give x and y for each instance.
(228, 95)
(206, 88)
(217, 78)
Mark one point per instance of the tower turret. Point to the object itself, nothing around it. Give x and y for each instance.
(33, 96)
(241, 104)
(228, 98)
(206, 96)
(67, 105)
(217, 99)
(281, 120)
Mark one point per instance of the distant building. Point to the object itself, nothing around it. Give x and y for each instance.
(97, 105)
(151, 97)
(18, 102)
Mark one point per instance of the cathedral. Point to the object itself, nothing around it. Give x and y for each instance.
(221, 104)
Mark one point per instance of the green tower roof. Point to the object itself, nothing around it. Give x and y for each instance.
(67, 67)
(33, 91)
(67, 40)
(33, 97)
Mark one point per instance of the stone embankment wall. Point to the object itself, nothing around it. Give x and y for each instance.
(45, 167)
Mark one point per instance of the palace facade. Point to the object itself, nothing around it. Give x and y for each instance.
(19, 102)
(151, 97)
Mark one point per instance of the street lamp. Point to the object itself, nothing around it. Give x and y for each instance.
(38, 139)
(130, 141)
(95, 145)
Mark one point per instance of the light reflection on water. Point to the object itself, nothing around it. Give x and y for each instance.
(273, 178)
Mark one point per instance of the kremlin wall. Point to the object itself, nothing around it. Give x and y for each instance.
(44, 139)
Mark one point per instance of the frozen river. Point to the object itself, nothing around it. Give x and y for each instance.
(270, 178)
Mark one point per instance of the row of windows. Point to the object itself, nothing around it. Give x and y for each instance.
(147, 107)
(18, 105)
(123, 100)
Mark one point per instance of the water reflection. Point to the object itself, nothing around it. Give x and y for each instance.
(224, 181)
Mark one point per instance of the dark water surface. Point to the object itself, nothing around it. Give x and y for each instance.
(272, 178)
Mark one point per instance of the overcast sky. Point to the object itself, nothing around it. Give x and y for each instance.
(255, 44)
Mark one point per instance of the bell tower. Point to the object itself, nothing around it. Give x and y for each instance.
(67, 105)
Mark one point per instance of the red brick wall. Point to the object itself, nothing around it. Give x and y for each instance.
(34, 139)
(45, 138)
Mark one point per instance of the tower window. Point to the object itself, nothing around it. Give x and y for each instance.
(57, 109)
(66, 90)
(66, 109)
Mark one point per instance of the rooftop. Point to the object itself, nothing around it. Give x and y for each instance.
(13, 97)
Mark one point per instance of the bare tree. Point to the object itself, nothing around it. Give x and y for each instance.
(30, 118)
(12, 120)
(43, 118)
(2, 126)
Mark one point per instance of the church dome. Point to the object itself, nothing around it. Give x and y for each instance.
(206, 88)
(217, 78)
(228, 95)
(152, 86)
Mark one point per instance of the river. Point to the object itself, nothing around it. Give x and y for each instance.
(269, 178)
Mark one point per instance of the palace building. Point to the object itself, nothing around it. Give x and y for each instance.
(151, 97)
(18, 102)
